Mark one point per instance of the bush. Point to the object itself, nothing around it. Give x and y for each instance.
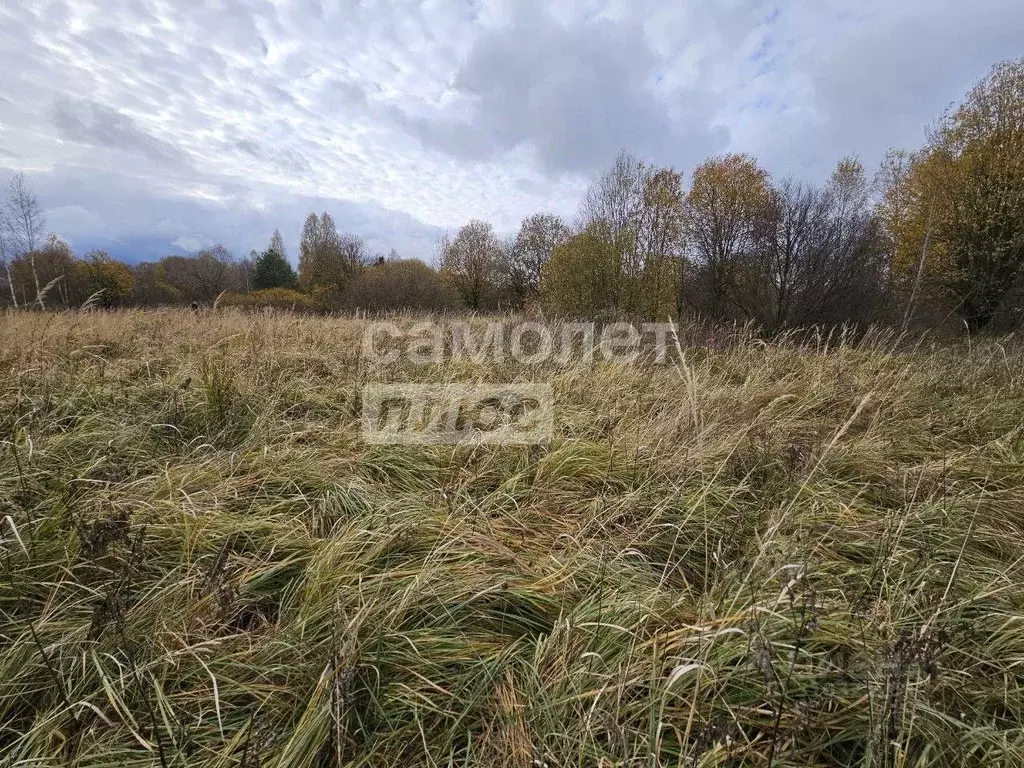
(275, 298)
(400, 285)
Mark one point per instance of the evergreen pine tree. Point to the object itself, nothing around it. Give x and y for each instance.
(271, 269)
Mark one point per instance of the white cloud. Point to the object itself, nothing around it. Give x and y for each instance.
(169, 121)
(191, 243)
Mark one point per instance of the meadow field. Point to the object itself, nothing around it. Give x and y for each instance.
(802, 552)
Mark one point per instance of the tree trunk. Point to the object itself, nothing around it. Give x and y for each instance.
(35, 277)
(920, 274)
(10, 285)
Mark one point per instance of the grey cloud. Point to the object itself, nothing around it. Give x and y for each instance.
(285, 159)
(276, 94)
(343, 93)
(249, 147)
(96, 124)
(577, 94)
(446, 109)
(290, 160)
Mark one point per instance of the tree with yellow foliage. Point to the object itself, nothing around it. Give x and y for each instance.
(581, 278)
(108, 280)
(954, 211)
(627, 254)
(727, 208)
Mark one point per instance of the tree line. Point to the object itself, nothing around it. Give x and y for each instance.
(934, 236)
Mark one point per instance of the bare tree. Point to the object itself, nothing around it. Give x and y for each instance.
(638, 209)
(615, 204)
(26, 224)
(471, 262)
(328, 260)
(820, 257)
(277, 243)
(792, 251)
(616, 197)
(352, 250)
(531, 250)
(201, 277)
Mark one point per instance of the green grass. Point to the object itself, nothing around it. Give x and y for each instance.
(773, 554)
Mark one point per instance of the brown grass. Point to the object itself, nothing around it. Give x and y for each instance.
(771, 554)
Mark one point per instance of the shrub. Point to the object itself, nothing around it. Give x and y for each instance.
(275, 298)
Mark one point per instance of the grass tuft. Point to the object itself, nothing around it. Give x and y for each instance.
(807, 552)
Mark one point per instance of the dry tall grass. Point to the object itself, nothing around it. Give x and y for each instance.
(787, 554)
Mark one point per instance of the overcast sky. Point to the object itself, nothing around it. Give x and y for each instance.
(157, 126)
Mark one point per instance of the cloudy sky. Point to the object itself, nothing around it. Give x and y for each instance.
(156, 126)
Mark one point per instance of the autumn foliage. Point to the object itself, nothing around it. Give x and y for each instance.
(933, 238)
